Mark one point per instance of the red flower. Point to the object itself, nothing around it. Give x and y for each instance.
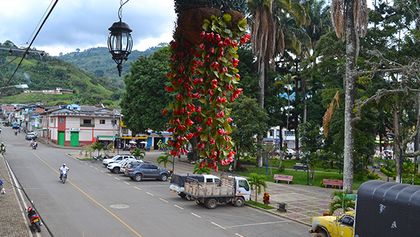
(229, 87)
(182, 127)
(198, 109)
(198, 81)
(202, 46)
(209, 121)
(169, 88)
(179, 97)
(201, 146)
(224, 70)
(221, 114)
(221, 99)
(229, 120)
(165, 112)
(221, 131)
(189, 122)
(199, 129)
(245, 38)
(218, 38)
(214, 65)
(235, 62)
(212, 141)
(189, 136)
(238, 76)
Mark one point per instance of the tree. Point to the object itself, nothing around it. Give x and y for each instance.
(350, 19)
(164, 159)
(249, 119)
(97, 146)
(257, 183)
(145, 97)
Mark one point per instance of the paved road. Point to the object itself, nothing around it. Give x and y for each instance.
(96, 203)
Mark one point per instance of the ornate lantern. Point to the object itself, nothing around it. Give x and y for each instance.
(120, 42)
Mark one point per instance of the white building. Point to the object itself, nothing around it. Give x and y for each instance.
(288, 136)
(80, 125)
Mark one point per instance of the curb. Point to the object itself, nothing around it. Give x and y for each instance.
(277, 214)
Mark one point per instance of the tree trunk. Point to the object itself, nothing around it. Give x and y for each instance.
(397, 144)
(417, 140)
(352, 44)
(261, 98)
(194, 143)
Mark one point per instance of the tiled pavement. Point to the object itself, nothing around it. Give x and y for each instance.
(12, 222)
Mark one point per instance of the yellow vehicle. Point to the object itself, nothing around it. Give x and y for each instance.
(333, 226)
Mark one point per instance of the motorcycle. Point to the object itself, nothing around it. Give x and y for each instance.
(34, 219)
(63, 178)
(16, 133)
(34, 146)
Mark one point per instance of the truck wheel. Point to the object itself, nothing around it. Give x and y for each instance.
(321, 233)
(198, 202)
(138, 177)
(188, 197)
(163, 177)
(182, 195)
(116, 170)
(239, 202)
(211, 203)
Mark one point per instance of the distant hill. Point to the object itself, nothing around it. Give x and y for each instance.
(45, 72)
(98, 62)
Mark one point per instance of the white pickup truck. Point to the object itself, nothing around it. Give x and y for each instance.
(178, 182)
(231, 189)
(115, 167)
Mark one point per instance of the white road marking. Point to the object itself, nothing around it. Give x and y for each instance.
(138, 188)
(151, 194)
(178, 207)
(261, 223)
(163, 200)
(126, 182)
(239, 235)
(103, 171)
(96, 168)
(221, 227)
(192, 213)
(116, 178)
(91, 166)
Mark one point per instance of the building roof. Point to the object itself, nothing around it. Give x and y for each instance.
(84, 111)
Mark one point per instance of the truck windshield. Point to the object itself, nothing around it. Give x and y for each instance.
(243, 184)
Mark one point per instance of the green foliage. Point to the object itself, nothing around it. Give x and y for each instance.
(145, 97)
(138, 153)
(202, 170)
(259, 205)
(97, 146)
(164, 159)
(98, 62)
(46, 73)
(249, 119)
(257, 183)
(341, 201)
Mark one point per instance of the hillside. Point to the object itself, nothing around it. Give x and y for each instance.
(98, 62)
(45, 72)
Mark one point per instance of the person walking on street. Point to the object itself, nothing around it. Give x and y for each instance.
(2, 191)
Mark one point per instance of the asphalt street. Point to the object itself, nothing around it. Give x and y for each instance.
(95, 202)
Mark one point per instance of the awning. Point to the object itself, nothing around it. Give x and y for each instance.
(106, 138)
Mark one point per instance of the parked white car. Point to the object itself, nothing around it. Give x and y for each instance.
(115, 167)
(116, 158)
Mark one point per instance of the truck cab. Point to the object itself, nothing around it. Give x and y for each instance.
(333, 226)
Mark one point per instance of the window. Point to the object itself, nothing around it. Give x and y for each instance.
(153, 167)
(347, 220)
(243, 184)
(51, 120)
(102, 121)
(87, 123)
(114, 122)
(271, 133)
(209, 180)
(61, 119)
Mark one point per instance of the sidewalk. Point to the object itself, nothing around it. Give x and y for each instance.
(302, 202)
(12, 222)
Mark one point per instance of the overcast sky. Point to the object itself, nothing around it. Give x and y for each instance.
(84, 23)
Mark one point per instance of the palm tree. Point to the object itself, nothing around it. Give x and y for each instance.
(341, 201)
(268, 36)
(257, 183)
(164, 159)
(349, 18)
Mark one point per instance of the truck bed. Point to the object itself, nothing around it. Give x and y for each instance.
(205, 190)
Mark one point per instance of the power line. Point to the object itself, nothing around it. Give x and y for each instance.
(40, 20)
(32, 41)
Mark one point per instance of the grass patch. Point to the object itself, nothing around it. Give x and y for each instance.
(85, 158)
(258, 204)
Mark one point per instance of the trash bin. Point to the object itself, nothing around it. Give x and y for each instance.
(281, 207)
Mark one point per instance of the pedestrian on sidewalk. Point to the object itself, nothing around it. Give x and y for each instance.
(2, 191)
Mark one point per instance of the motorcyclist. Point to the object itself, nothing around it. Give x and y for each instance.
(2, 148)
(63, 170)
(31, 212)
(34, 144)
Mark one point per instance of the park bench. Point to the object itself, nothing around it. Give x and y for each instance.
(280, 177)
(333, 183)
(300, 166)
